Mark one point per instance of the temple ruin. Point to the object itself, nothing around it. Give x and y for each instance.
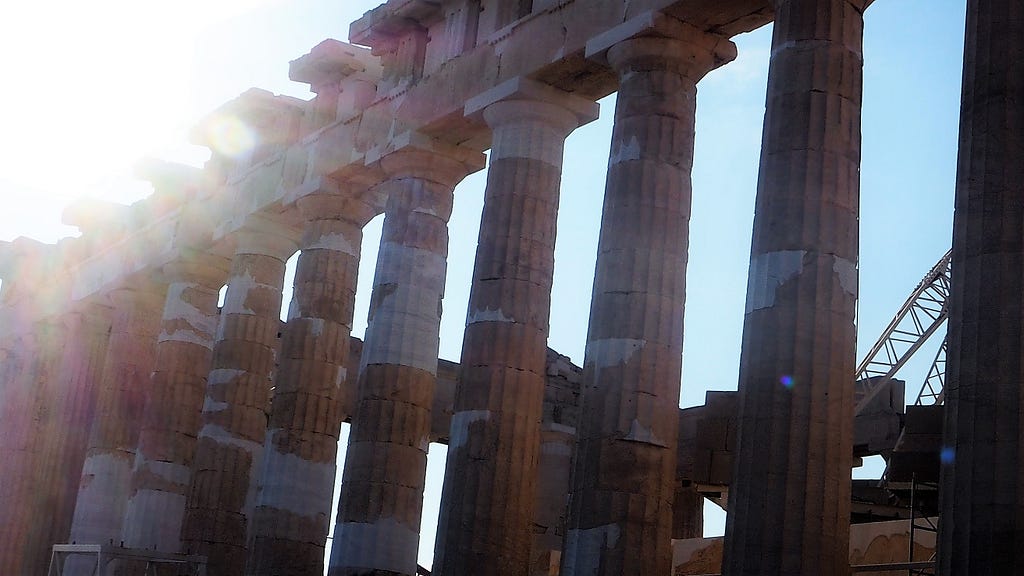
(212, 430)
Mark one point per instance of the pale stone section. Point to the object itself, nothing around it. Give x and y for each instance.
(620, 517)
(385, 469)
(982, 506)
(105, 483)
(230, 444)
(289, 524)
(488, 503)
(171, 413)
(789, 504)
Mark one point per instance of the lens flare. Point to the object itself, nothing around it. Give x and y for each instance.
(947, 455)
(230, 136)
(786, 381)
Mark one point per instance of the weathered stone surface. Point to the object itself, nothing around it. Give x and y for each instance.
(982, 499)
(487, 509)
(86, 334)
(30, 395)
(870, 544)
(790, 499)
(289, 525)
(382, 489)
(230, 445)
(452, 75)
(171, 414)
(620, 519)
(106, 474)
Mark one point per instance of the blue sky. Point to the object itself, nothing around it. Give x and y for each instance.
(90, 87)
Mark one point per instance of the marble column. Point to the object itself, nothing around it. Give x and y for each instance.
(86, 332)
(33, 394)
(487, 508)
(381, 499)
(234, 418)
(688, 513)
(981, 532)
(105, 481)
(171, 414)
(18, 413)
(620, 518)
(554, 482)
(789, 503)
(293, 506)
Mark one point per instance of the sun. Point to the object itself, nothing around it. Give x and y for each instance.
(89, 89)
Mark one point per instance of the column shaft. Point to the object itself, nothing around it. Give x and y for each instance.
(554, 482)
(293, 506)
(30, 395)
(789, 504)
(105, 480)
(12, 403)
(86, 335)
(385, 469)
(981, 532)
(234, 418)
(15, 428)
(171, 416)
(688, 513)
(487, 509)
(624, 473)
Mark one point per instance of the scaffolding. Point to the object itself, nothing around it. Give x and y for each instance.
(149, 562)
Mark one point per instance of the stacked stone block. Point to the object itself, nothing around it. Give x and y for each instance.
(790, 500)
(620, 519)
(293, 505)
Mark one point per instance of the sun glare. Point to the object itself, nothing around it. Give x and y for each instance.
(91, 87)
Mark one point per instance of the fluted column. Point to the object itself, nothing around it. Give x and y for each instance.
(105, 483)
(385, 469)
(554, 482)
(487, 508)
(293, 507)
(624, 473)
(688, 513)
(234, 418)
(16, 419)
(789, 503)
(86, 333)
(26, 419)
(170, 418)
(981, 532)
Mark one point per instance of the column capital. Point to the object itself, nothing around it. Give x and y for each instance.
(268, 237)
(417, 155)
(654, 40)
(85, 310)
(200, 267)
(337, 207)
(522, 99)
(128, 297)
